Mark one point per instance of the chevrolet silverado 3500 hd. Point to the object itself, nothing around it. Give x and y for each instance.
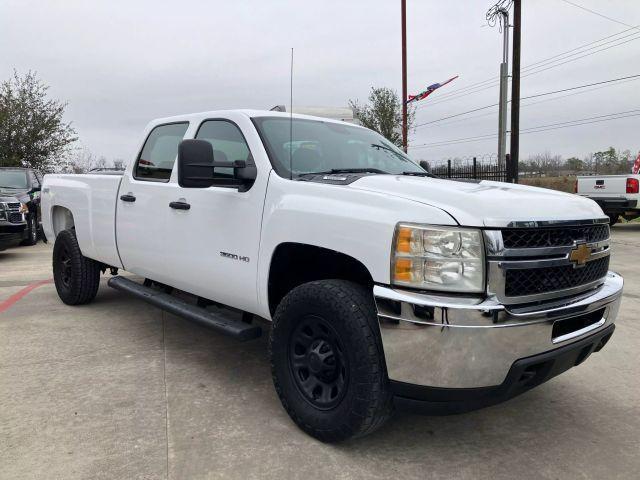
(385, 287)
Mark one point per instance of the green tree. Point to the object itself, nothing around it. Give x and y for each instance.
(32, 130)
(383, 113)
(574, 164)
(606, 161)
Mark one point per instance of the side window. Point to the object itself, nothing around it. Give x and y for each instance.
(159, 152)
(227, 141)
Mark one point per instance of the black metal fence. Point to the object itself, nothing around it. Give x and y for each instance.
(473, 169)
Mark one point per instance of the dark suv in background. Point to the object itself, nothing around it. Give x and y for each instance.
(20, 218)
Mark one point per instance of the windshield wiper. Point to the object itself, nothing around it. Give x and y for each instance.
(419, 174)
(346, 170)
(357, 170)
(384, 147)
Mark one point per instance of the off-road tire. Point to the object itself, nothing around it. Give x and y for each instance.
(349, 310)
(32, 231)
(613, 219)
(76, 277)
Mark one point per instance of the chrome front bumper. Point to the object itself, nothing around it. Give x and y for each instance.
(455, 342)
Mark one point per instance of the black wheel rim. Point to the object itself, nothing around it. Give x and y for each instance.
(318, 362)
(65, 267)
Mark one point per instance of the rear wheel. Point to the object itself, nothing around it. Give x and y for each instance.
(77, 277)
(613, 219)
(32, 231)
(327, 361)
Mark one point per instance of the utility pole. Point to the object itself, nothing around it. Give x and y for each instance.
(504, 86)
(403, 8)
(515, 92)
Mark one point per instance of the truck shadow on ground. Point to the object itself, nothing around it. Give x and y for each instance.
(548, 417)
(8, 255)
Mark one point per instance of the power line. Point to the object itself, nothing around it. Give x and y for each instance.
(539, 70)
(584, 119)
(595, 13)
(539, 128)
(568, 55)
(637, 27)
(538, 102)
(530, 96)
(582, 56)
(493, 14)
(493, 81)
(492, 136)
(455, 115)
(582, 86)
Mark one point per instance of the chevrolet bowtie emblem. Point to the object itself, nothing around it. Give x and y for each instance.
(580, 254)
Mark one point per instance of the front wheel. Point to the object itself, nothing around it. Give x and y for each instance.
(327, 361)
(77, 277)
(32, 231)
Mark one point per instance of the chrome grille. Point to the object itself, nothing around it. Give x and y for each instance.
(532, 281)
(13, 206)
(553, 237)
(14, 217)
(532, 264)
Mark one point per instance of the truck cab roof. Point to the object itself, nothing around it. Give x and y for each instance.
(247, 113)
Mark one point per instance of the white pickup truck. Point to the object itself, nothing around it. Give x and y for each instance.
(617, 195)
(385, 287)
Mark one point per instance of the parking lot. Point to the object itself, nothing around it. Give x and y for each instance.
(118, 389)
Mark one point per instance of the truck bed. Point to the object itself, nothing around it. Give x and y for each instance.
(593, 186)
(92, 198)
(617, 195)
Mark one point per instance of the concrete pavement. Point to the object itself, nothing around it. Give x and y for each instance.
(120, 390)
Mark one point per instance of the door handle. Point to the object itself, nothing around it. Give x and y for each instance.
(180, 205)
(127, 198)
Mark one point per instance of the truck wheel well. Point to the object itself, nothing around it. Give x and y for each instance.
(293, 264)
(61, 219)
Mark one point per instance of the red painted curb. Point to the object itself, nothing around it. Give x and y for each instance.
(8, 303)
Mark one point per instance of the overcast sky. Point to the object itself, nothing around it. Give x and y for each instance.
(119, 63)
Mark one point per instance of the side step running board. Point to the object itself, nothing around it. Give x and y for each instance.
(220, 323)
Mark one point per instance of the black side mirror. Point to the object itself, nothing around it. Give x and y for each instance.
(424, 164)
(196, 166)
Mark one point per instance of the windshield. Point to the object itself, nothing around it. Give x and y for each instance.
(13, 179)
(318, 146)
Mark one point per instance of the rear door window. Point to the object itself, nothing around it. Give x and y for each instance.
(159, 152)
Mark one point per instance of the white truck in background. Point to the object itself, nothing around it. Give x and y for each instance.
(617, 195)
(385, 287)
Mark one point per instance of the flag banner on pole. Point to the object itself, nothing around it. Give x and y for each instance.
(636, 165)
(430, 89)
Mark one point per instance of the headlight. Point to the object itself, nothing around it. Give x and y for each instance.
(438, 258)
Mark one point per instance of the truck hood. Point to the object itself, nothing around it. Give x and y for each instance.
(20, 194)
(484, 203)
